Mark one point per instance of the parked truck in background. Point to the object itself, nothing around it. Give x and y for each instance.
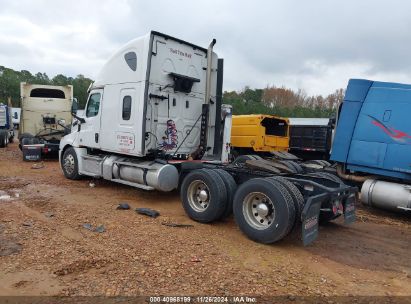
(270, 137)
(259, 134)
(372, 142)
(154, 119)
(6, 125)
(45, 115)
(310, 138)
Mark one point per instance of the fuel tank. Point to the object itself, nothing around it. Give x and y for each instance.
(163, 177)
(386, 195)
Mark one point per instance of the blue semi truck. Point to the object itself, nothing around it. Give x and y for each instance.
(372, 142)
(6, 125)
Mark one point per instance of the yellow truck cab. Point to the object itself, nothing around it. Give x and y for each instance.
(259, 133)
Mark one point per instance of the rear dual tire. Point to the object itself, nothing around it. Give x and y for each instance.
(264, 210)
(204, 195)
(207, 194)
(296, 195)
(318, 162)
(231, 188)
(329, 176)
(293, 166)
(243, 158)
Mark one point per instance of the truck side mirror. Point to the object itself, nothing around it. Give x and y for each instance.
(74, 106)
(61, 122)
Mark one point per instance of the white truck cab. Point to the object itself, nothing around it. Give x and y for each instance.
(155, 99)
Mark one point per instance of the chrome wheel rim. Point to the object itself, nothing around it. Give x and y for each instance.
(69, 164)
(198, 196)
(258, 210)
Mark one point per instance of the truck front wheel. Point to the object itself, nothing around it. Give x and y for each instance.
(69, 164)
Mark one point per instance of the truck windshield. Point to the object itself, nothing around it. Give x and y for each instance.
(47, 93)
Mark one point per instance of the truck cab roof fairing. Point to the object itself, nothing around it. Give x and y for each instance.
(117, 70)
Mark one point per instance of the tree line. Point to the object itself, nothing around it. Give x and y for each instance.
(282, 101)
(10, 84)
(274, 100)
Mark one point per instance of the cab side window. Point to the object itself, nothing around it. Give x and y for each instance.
(126, 108)
(93, 105)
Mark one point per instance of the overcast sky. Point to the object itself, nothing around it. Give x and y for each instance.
(314, 45)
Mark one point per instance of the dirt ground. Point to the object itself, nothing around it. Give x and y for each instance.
(45, 250)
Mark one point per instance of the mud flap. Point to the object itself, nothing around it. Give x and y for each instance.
(349, 210)
(310, 218)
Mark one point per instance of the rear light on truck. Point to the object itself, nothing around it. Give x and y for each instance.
(338, 207)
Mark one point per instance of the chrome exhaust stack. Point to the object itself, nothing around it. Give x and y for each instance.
(209, 70)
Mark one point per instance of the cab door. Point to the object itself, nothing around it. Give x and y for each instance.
(90, 130)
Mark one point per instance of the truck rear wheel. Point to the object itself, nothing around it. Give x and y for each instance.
(332, 177)
(264, 210)
(326, 163)
(318, 162)
(296, 166)
(231, 187)
(3, 139)
(296, 195)
(289, 165)
(329, 176)
(243, 158)
(204, 195)
(69, 164)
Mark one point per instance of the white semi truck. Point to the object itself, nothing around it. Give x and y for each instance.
(154, 119)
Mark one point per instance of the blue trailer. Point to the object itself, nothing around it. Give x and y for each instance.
(372, 142)
(6, 126)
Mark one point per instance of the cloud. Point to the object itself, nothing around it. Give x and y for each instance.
(314, 45)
